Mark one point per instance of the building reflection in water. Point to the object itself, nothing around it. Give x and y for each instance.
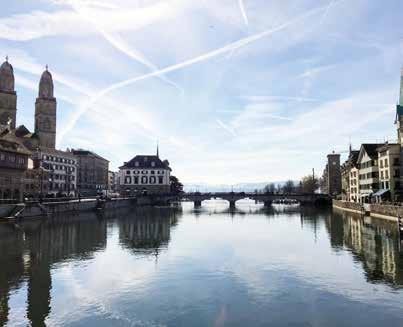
(373, 242)
(29, 250)
(147, 230)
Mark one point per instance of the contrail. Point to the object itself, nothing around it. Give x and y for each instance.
(243, 12)
(326, 12)
(230, 47)
(122, 46)
(226, 127)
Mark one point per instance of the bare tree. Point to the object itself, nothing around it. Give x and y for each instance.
(289, 187)
(309, 184)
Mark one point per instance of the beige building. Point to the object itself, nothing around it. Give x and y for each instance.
(354, 193)
(92, 172)
(349, 177)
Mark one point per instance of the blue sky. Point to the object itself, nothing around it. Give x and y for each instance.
(233, 90)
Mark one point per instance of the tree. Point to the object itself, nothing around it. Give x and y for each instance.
(176, 185)
(270, 188)
(309, 184)
(289, 187)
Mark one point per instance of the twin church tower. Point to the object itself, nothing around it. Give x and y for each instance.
(45, 106)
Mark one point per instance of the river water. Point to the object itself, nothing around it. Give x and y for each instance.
(212, 266)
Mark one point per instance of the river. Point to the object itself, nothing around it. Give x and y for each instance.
(211, 266)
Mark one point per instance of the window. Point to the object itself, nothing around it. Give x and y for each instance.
(128, 180)
(152, 172)
(144, 172)
(152, 164)
(386, 162)
(144, 180)
(152, 180)
(160, 179)
(136, 163)
(136, 179)
(127, 172)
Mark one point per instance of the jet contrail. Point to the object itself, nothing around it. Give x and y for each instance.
(243, 12)
(122, 46)
(229, 47)
(226, 127)
(326, 12)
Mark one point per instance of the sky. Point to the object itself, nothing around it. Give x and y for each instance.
(234, 91)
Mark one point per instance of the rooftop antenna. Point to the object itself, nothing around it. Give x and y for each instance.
(158, 151)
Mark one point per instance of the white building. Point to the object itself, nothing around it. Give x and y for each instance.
(144, 173)
(389, 171)
(368, 171)
(62, 169)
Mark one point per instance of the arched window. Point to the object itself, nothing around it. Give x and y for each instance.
(144, 180)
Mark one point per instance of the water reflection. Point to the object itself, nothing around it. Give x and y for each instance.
(373, 242)
(147, 230)
(29, 250)
(210, 271)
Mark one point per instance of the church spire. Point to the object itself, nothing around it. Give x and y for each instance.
(401, 88)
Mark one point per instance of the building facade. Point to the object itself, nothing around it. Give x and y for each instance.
(349, 177)
(368, 172)
(92, 172)
(13, 166)
(144, 173)
(331, 179)
(59, 167)
(389, 171)
(112, 181)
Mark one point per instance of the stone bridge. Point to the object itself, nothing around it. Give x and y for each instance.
(314, 199)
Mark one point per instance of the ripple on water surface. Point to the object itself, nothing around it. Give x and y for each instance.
(209, 266)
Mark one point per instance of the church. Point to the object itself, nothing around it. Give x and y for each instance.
(35, 152)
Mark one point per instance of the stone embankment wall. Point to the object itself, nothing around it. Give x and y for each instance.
(349, 206)
(53, 208)
(389, 212)
(386, 211)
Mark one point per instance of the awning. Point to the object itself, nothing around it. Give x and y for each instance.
(381, 192)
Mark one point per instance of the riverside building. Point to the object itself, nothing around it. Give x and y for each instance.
(144, 173)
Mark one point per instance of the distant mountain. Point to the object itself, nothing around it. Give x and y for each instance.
(240, 187)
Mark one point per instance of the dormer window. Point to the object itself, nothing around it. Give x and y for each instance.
(152, 164)
(136, 163)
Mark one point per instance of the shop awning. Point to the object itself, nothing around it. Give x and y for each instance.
(381, 192)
